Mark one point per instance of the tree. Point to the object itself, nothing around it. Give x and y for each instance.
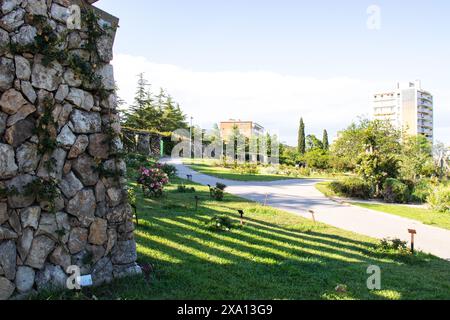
(236, 144)
(301, 138)
(172, 118)
(371, 149)
(158, 113)
(214, 135)
(317, 159)
(362, 137)
(312, 143)
(441, 155)
(137, 114)
(416, 158)
(377, 168)
(325, 142)
(288, 155)
(378, 160)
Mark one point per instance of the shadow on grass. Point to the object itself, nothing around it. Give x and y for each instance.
(274, 256)
(264, 260)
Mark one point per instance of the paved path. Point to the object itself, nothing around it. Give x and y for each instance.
(300, 196)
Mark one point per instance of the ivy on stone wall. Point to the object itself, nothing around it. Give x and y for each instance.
(46, 129)
(47, 43)
(44, 190)
(63, 189)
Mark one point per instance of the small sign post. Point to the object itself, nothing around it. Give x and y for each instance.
(313, 216)
(265, 200)
(241, 212)
(413, 233)
(197, 199)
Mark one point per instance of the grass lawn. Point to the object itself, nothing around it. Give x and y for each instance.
(324, 187)
(423, 215)
(207, 167)
(276, 255)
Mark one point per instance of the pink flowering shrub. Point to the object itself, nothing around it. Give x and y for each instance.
(153, 180)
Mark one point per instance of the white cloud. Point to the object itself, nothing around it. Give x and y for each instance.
(274, 100)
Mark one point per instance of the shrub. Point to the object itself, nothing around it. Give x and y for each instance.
(306, 172)
(292, 171)
(393, 244)
(271, 170)
(439, 199)
(169, 169)
(183, 189)
(247, 168)
(221, 186)
(152, 181)
(421, 191)
(220, 223)
(217, 192)
(353, 188)
(398, 250)
(132, 200)
(395, 191)
(288, 170)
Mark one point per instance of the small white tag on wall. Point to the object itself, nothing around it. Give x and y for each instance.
(85, 281)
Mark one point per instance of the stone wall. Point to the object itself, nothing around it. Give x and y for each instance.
(63, 197)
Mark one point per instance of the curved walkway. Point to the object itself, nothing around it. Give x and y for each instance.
(301, 196)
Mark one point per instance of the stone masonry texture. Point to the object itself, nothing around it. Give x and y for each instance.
(87, 221)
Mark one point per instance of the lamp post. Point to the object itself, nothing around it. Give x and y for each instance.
(190, 139)
(313, 214)
(241, 213)
(413, 233)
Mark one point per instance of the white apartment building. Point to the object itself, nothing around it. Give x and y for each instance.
(408, 108)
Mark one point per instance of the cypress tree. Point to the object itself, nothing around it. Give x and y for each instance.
(325, 142)
(301, 138)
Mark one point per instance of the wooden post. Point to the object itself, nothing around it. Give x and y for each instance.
(413, 233)
(196, 202)
(241, 212)
(313, 216)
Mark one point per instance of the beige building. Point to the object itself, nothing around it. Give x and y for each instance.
(408, 108)
(248, 129)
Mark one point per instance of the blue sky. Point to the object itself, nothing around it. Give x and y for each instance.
(207, 52)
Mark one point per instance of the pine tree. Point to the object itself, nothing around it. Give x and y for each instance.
(154, 112)
(301, 138)
(137, 115)
(325, 142)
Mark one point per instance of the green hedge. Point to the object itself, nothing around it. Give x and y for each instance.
(395, 191)
(352, 188)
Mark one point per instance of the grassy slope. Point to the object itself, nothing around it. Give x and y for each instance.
(423, 215)
(277, 255)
